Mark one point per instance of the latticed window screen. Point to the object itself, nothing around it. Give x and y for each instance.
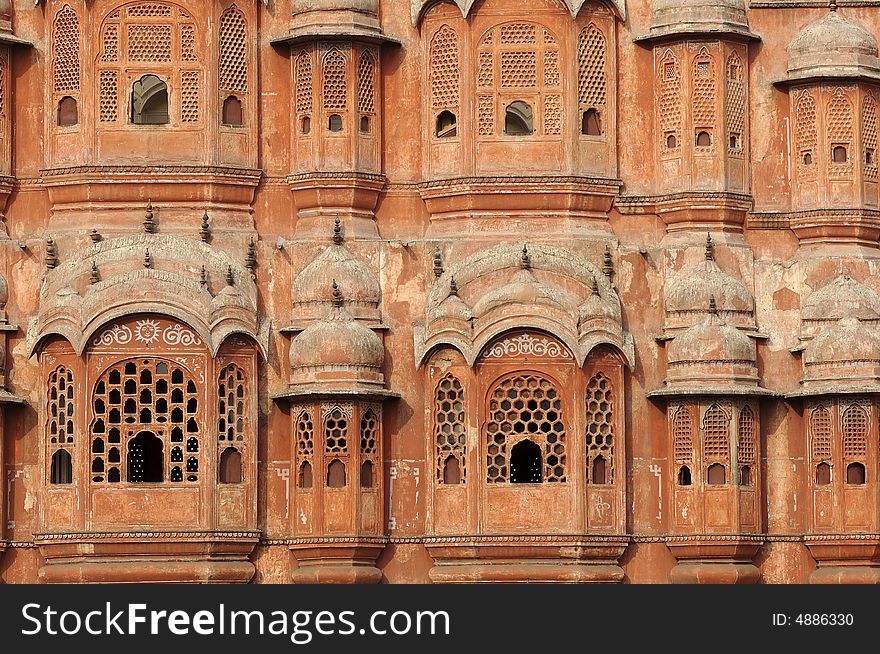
(716, 435)
(188, 43)
(190, 83)
(110, 52)
(335, 89)
(232, 409)
(704, 90)
(449, 425)
(855, 432)
(445, 70)
(4, 67)
(305, 448)
(61, 407)
(366, 80)
(869, 135)
(336, 433)
(820, 433)
(66, 51)
(736, 101)
(806, 133)
(233, 51)
(303, 72)
(745, 440)
(840, 119)
(149, 43)
(670, 101)
(682, 437)
(592, 70)
(525, 406)
(109, 102)
(600, 426)
(369, 447)
(153, 396)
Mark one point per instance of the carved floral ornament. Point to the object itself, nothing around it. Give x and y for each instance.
(147, 332)
(420, 7)
(526, 345)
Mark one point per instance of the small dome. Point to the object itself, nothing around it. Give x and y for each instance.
(670, 17)
(833, 47)
(597, 307)
(711, 341)
(312, 290)
(845, 341)
(338, 341)
(842, 298)
(691, 292)
(453, 307)
(524, 288)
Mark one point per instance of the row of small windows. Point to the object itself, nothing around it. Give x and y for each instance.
(335, 123)
(840, 155)
(518, 121)
(149, 106)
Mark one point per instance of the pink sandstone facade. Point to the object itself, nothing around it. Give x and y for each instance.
(349, 291)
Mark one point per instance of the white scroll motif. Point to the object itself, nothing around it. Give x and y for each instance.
(116, 334)
(147, 332)
(177, 335)
(525, 345)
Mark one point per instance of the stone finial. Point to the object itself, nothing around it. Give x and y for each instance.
(710, 248)
(95, 236)
(205, 229)
(595, 286)
(250, 261)
(94, 276)
(148, 259)
(230, 278)
(337, 232)
(525, 260)
(608, 263)
(149, 223)
(713, 305)
(51, 256)
(203, 277)
(832, 5)
(453, 287)
(337, 296)
(438, 262)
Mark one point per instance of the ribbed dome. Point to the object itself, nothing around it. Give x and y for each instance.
(691, 292)
(670, 17)
(524, 288)
(847, 340)
(453, 307)
(711, 341)
(338, 341)
(360, 284)
(833, 47)
(842, 298)
(596, 307)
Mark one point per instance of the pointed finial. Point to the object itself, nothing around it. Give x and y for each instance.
(149, 223)
(713, 306)
(94, 276)
(453, 287)
(148, 259)
(438, 262)
(250, 261)
(710, 248)
(51, 256)
(95, 236)
(205, 230)
(337, 296)
(337, 232)
(595, 286)
(203, 277)
(525, 260)
(608, 263)
(230, 278)
(832, 5)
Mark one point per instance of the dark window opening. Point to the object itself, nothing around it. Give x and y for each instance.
(745, 476)
(684, 476)
(113, 476)
(367, 474)
(451, 471)
(230, 466)
(305, 125)
(232, 112)
(145, 464)
(447, 125)
(149, 101)
(334, 124)
(599, 471)
(671, 142)
(869, 157)
(62, 468)
(305, 475)
(336, 474)
(590, 125)
(519, 119)
(526, 463)
(735, 143)
(365, 124)
(716, 475)
(704, 139)
(823, 474)
(807, 158)
(839, 154)
(855, 474)
(68, 112)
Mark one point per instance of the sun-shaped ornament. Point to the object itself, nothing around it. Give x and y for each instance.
(146, 331)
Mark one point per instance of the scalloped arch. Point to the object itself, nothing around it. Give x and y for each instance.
(420, 7)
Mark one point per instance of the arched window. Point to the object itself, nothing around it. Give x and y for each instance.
(232, 112)
(447, 125)
(336, 474)
(704, 94)
(367, 480)
(66, 57)
(62, 468)
(684, 476)
(304, 91)
(336, 445)
(334, 123)
(149, 101)
(592, 79)
(840, 126)
(519, 119)
(806, 133)
(823, 474)
(366, 90)
(145, 459)
(745, 449)
(68, 113)
(704, 139)
(444, 76)
(600, 429)
(230, 466)
(669, 108)
(305, 449)
(369, 446)
(716, 444)
(449, 431)
(590, 123)
(526, 463)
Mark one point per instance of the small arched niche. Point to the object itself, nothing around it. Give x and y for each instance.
(149, 101)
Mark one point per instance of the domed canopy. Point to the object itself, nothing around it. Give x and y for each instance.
(524, 288)
(313, 295)
(711, 341)
(327, 19)
(844, 297)
(846, 341)
(689, 17)
(833, 47)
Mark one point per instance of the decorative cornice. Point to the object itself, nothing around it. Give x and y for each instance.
(374, 178)
(645, 204)
(199, 536)
(249, 174)
(609, 186)
(783, 219)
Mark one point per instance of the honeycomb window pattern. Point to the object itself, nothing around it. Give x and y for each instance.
(840, 130)
(552, 115)
(61, 407)
(855, 432)
(820, 433)
(148, 395)
(366, 91)
(592, 75)
(4, 66)
(336, 433)
(486, 110)
(806, 134)
(335, 89)
(149, 43)
(745, 449)
(303, 73)
(110, 53)
(869, 135)
(486, 74)
(233, 51)
(600, 426)
(449, 425)
(519, 70)
(305, 448)
(525, 406)
(704, 90)
(716, 435)
(231, 405)
(682, 438)
(188, 43)
(736, 100)
(66, 50)
(109, 101)
(670, 102)
(190, 82)
(369, 434)
(149, 10)
(445, 70)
